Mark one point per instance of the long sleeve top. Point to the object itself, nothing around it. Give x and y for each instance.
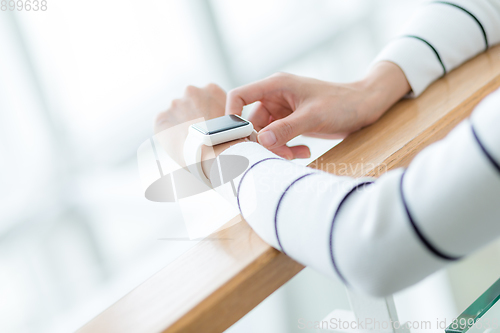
(380, 236)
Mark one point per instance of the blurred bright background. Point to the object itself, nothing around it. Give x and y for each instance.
(80, 85)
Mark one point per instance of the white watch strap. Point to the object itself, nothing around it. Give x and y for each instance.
(253, 136)
(192, 157)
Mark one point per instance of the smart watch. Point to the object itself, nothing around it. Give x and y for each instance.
(210, 133)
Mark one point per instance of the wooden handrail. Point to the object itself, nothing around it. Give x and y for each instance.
(217, 282)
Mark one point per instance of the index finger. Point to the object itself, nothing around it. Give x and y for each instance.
(248, 94)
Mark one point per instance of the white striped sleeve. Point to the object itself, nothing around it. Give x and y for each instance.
(440, 36)
(381, 236)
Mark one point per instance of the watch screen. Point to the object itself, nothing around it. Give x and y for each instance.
(220, 124)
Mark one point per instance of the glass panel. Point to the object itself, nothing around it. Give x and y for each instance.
(488, 304)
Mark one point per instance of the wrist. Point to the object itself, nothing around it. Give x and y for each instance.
(208, 154)
(383, 86)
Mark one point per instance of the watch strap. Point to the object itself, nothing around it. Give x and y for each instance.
(192, 158)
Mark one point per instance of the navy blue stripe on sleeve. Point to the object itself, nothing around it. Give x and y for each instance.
(278, 207)
(332, 257)
(432, 48)
(490, 158)
(472, 16)
(418, 232)
(246, 172)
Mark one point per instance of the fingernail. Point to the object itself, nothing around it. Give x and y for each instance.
(267, 139)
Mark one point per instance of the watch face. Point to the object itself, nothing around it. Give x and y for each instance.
(220, 124)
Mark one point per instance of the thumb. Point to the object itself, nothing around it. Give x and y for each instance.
(279, 132)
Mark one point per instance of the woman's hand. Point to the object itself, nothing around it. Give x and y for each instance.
(290, 105)
(208, 102)
(171, 126)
